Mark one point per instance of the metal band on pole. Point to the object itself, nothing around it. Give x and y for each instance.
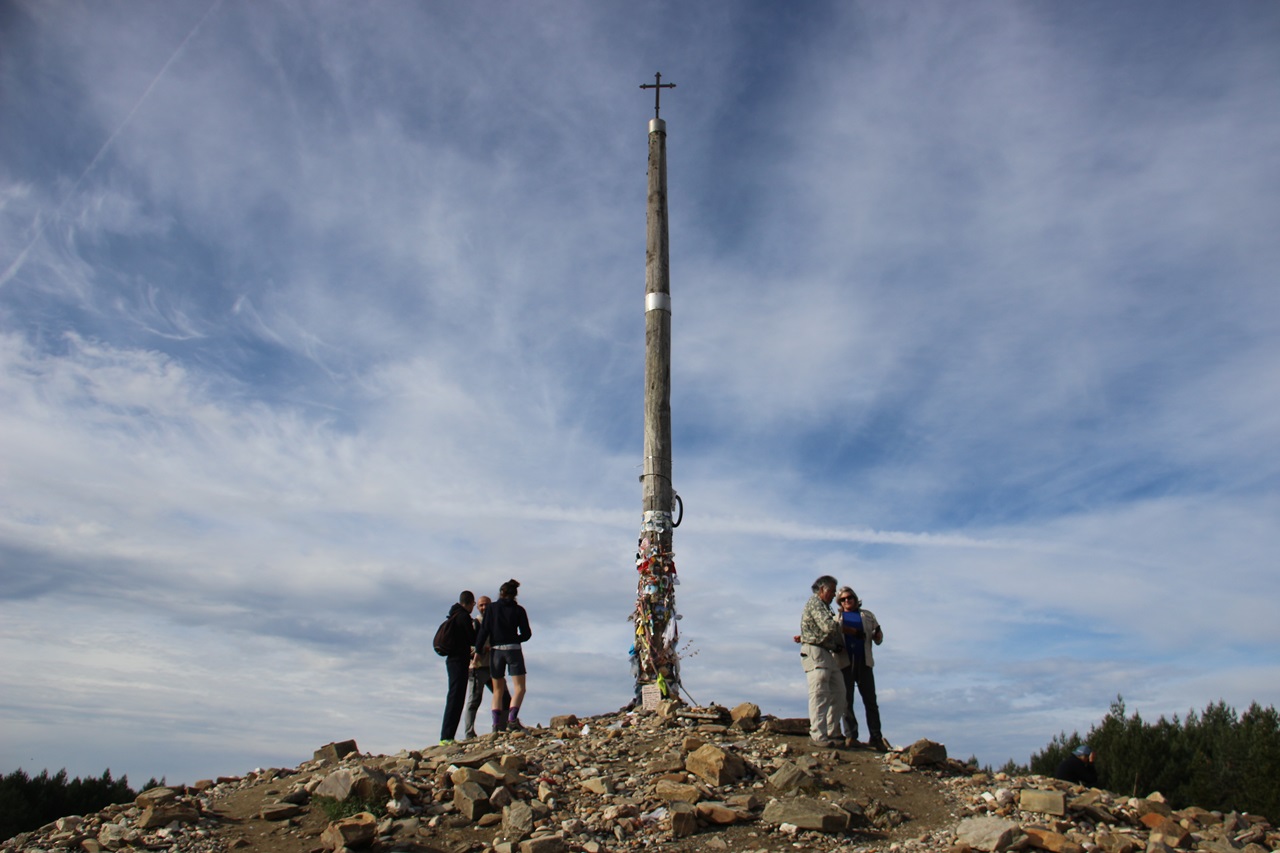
(657, 302)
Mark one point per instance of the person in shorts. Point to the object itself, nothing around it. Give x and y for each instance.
(504, 627)
(478, 678)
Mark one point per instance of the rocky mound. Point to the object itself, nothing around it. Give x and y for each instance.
(681, 778)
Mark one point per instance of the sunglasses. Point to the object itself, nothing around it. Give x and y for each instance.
(846, 598)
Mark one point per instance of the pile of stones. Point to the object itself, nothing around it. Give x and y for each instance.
(619, 781)
(1007, 813)
(614, 782)
(696, 778)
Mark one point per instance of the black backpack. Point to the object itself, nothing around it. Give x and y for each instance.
(446, 638)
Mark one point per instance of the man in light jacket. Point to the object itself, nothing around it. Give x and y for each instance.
(822, 653)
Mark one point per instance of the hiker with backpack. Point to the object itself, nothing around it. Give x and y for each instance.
(454, 640)
(504, 628)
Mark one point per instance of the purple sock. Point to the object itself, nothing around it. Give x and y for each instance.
(515, 709)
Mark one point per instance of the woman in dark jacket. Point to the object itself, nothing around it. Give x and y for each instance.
(504, 628)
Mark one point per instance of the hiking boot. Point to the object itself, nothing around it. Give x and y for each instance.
(471, 735)
(879, 744)
(854, 743)
(515, 725)
(447, 741)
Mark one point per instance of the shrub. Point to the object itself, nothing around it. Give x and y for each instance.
(338, 809)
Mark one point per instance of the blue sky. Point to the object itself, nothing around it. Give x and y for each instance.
(312, 314)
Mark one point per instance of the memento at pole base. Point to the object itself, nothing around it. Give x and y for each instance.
(650, 696)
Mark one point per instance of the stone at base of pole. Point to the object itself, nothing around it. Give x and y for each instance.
(650, 696)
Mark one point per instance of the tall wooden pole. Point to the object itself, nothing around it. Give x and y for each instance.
(656, 661)
(657, 331)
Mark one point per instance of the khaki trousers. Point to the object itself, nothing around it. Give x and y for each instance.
(826, 703)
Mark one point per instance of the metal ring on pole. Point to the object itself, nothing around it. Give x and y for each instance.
(679, 519)
(657, 301)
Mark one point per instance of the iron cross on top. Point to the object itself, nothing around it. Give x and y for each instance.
(657, 86)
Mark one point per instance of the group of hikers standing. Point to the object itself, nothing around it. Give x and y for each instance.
(488, 647)
(836, 651)
(835, 648)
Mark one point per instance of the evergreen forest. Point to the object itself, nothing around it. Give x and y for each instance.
(29, 802)
(1216, 759)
